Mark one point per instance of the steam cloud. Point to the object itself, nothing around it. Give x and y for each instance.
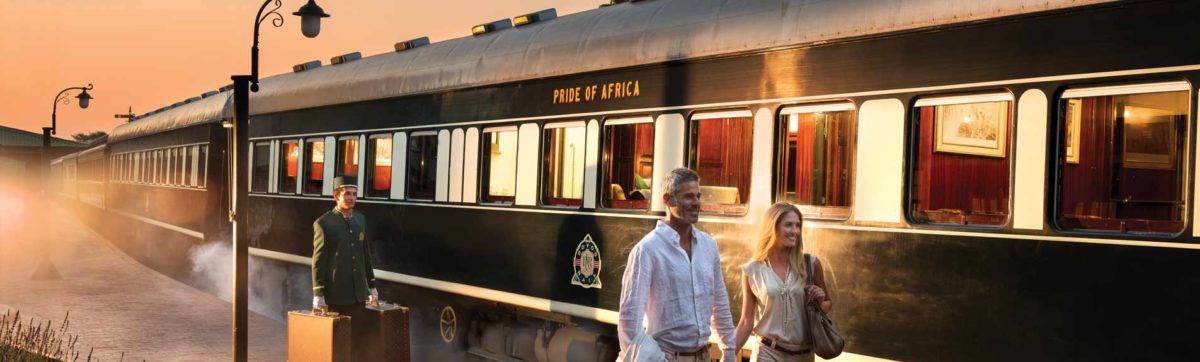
(271, 285)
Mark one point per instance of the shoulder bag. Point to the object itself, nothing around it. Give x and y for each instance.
(826, 341)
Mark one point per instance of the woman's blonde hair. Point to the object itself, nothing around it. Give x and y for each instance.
(768, 238)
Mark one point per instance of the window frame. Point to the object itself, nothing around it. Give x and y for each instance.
(779, 169)
(1057, 109)
(368, 166)
(279, 189)
(254, 159)
(482, 194)
(338, 166)
(691, 156)
(408, 189)
(306, 150)
(543, 192)
(912, 151)
(602, 174)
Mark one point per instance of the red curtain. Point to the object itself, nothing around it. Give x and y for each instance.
(723, 153)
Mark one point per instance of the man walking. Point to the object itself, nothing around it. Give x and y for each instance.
(673, 278)
(343, 277)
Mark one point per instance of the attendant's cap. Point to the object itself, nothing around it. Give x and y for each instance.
(343, 181)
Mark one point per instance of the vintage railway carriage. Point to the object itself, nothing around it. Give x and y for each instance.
(166, 183)
(984, 180)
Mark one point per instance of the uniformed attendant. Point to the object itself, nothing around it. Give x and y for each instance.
(343, 277)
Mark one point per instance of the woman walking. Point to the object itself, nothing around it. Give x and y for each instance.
(775, 290)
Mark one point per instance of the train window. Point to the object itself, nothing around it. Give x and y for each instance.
(171, 165)
(1122, 158)
(565, 145)
(260, 167)
(202, 168)
(289, 158)
(814, 156)
(347, 157)
(721, 152)
(187, 166)
(178, 169)
(314, 166)
(422, 166)
(148, 167)
(158, 167)
(628, 163)
(379, 166)
(499, 182)
(961, 171)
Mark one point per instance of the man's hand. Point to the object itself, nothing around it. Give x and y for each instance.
(319, 304)
(373, 299)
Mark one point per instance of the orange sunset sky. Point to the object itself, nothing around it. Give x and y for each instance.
(147, 54)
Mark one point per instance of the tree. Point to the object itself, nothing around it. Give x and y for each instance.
(88, 137)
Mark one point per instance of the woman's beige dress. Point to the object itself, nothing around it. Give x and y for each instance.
(780, 313)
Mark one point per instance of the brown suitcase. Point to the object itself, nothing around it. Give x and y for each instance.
(388, 331)
(313, 338)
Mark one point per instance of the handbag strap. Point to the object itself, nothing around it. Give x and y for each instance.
(808, 264)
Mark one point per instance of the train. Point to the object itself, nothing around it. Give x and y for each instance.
(984, 180)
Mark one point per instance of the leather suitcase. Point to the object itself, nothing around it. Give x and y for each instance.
(313, 338)
(388, 333)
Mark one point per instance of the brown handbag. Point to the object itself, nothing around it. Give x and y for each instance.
(826, 341)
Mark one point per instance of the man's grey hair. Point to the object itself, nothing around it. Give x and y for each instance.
(675, 179)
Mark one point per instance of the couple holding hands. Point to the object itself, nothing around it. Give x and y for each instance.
(673, 289)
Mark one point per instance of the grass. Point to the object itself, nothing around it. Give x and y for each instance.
(40, 342)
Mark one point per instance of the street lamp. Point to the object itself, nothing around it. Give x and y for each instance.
(84, 100)
(310, 22)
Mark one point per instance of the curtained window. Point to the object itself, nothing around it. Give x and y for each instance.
(721, 152)
(1122, 155)
(422, 166)
(961, 170)
(815, 158)
(379, 166)
(289, 172)
(499, 182)
(314, 166)
(565, 145)
(347, 157)
(628, 163)
(260, 179)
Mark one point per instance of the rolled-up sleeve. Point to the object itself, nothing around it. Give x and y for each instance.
(635, 293)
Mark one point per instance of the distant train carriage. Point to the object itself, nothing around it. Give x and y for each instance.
(984, 180)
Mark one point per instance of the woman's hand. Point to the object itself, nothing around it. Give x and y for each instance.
(815, 293)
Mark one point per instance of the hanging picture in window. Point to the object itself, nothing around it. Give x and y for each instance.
(1149, 138)
(975, 129)
(1074, 116)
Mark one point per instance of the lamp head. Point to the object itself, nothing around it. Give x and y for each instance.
(84, 99)
(310, 18)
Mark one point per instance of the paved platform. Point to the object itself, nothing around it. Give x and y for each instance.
(51, 263)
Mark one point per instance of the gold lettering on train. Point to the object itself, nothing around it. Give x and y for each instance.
(597, 92)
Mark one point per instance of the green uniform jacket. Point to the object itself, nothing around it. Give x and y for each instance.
(341, 261)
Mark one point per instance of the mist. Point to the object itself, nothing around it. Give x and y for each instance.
(270, 283)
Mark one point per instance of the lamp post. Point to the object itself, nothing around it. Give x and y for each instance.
(310, 22)
(84, 100)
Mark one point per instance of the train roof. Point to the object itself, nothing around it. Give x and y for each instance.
(212, 108)
(623, 35)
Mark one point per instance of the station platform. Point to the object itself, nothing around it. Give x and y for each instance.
(51, 264)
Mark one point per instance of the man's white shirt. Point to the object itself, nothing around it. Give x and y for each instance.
(681, 299)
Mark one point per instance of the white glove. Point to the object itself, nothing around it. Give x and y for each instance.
(319, 303)
(373, 299)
